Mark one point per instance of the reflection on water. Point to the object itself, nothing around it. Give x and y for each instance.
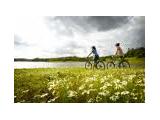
(47, 64)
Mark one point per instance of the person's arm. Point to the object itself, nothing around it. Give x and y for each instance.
(89, 54)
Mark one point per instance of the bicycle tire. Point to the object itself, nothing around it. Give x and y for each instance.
(100, 65)
(110, 65)
(88, 65)
(124, 64)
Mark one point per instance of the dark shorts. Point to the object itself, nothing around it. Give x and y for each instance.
(95, 58)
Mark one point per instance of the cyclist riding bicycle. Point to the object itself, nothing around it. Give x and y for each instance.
(119, 59)
(119, 51)
(95, 55)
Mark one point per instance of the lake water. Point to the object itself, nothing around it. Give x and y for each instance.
(47, 64)
(19, 65)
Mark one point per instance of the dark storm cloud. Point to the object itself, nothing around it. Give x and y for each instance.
(137, 35)
(142, 31)
(67, 25)
(18, 41)
(103, 23)
(129, 30)
(74, 36)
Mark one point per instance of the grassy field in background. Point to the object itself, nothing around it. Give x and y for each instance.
(77, 85)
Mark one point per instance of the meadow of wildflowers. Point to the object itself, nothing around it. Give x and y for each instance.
(77, 85)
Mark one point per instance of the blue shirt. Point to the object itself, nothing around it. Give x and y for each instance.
(94, 51)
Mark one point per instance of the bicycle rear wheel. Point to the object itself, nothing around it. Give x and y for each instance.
(124, 64)
(88, 65)
(110, 65)
(100, 65)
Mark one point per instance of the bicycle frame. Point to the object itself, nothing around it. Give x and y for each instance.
(114, 59)
(95, 65)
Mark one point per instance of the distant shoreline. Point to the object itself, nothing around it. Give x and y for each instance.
(137, 53)
(62, 59)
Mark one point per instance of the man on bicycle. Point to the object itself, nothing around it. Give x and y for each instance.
(95, 55)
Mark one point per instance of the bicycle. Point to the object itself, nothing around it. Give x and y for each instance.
(91, 65)
(122, 62)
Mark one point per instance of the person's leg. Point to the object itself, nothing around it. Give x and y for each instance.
(96, 60)
(94, 66)
(120, 60)
(121, 57)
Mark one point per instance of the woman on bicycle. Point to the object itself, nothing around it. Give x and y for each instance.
(122, 62)
(95, 55)
(119, 51)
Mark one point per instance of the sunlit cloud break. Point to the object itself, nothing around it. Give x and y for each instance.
(52, 36)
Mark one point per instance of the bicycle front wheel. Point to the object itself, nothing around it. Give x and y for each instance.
(124, 64)
(88, 65)
(100, 65)
(110, 65)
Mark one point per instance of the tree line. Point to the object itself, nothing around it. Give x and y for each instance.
(133, 52)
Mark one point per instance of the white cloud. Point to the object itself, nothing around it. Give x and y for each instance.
(39, 40)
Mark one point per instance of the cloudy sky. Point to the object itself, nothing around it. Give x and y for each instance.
(61, 36)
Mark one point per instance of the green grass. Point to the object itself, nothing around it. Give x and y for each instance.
(134, 60)
(77, 85)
